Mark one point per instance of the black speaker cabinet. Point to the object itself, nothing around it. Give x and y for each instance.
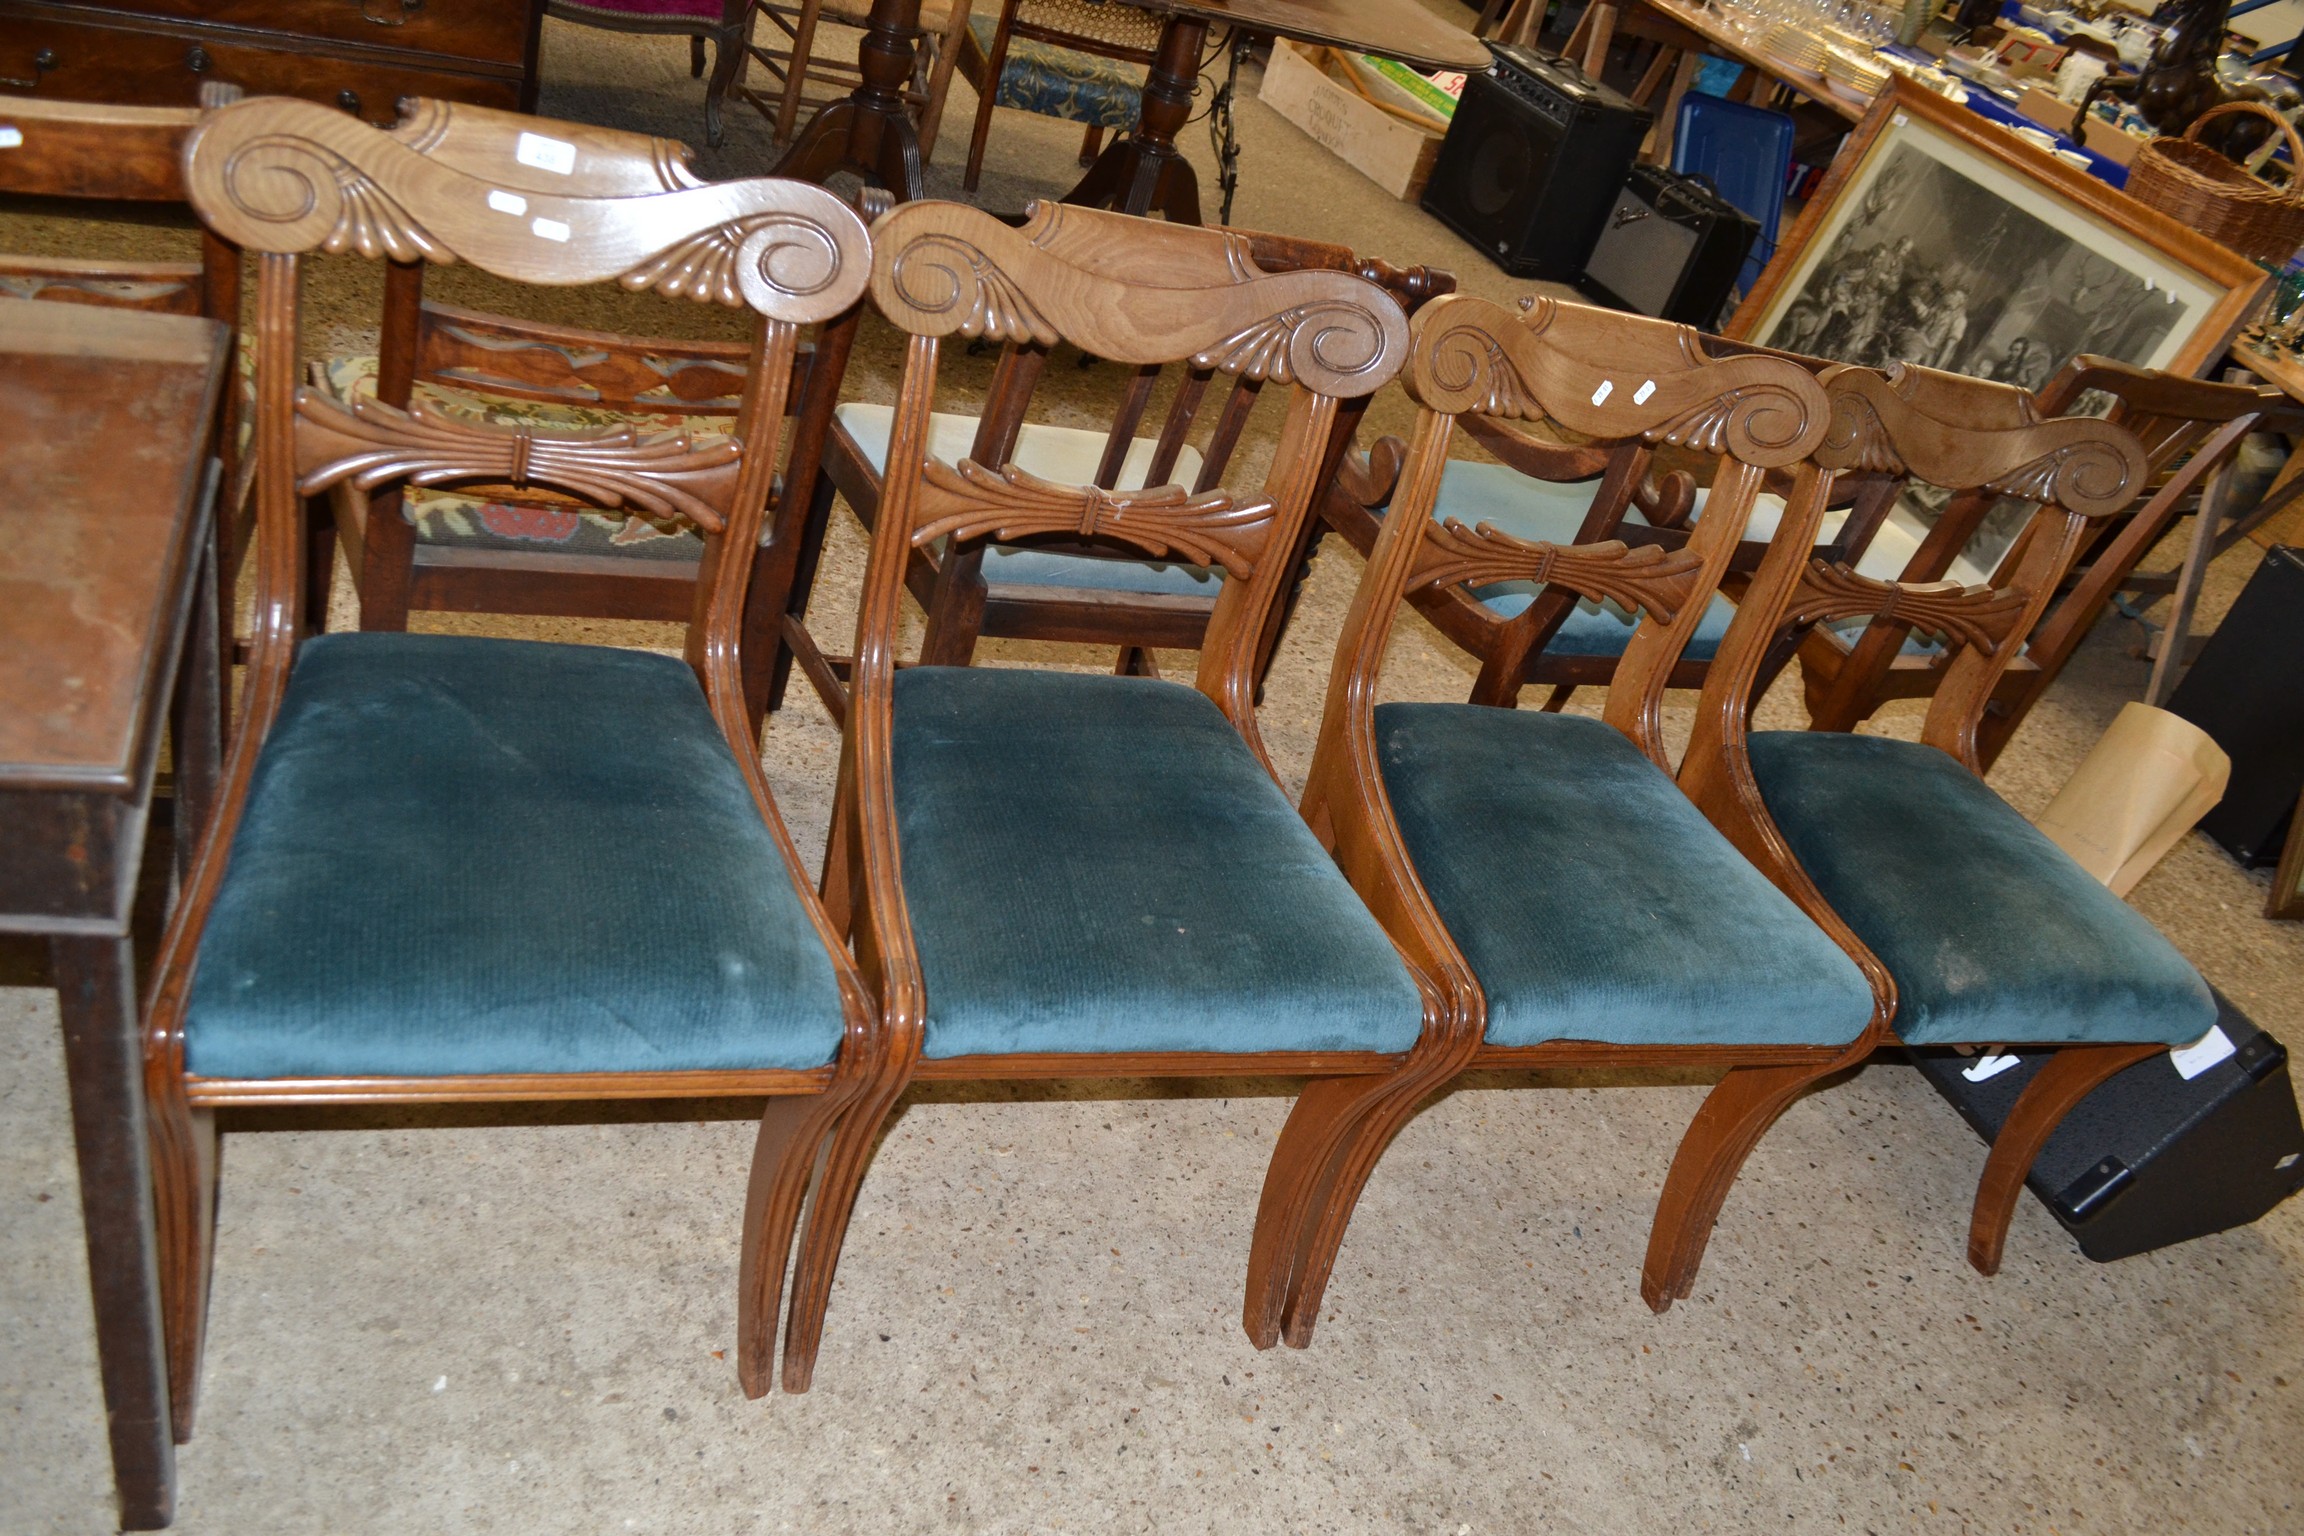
(1671, 247)
(2245, 692)
(2152, 1158)
(1532, 163)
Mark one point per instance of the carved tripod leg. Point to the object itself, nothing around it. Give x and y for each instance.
(827, 1226)
(792, 1135)
(2071, 1075)
(1736, 1114)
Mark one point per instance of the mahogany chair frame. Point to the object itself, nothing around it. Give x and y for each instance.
(288, 178)
(1658, 387)
(1966, 435)
(394, 573)
(1630, 475)
(951, 590)
(2190, 430)
(1137, 293)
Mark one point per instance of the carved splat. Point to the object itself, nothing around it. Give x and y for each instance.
(942, 269)
(971, 501)
(286, 176)
(371, 444)
(1607, 375)
(1979, 616)
(1644, 576)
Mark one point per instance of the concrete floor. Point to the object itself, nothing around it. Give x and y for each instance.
(515, 1320)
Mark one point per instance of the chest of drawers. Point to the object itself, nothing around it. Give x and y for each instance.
(362, 55)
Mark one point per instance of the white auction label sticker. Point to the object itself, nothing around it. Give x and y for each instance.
(1989, 1067)
(2192, 1060)
(549, 229)
(10, 137)
(555, 155)
(507, 202)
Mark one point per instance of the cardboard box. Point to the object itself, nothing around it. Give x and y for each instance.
(1387, 147)
(2052, 111)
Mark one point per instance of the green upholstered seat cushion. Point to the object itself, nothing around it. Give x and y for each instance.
(1592, 898)
(1990, 930)
(1068, 456)
(467, 855)
(1056, 81)
(1100, 864)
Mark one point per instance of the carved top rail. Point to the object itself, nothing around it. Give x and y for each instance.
(92, 149)
(285, 176)
(1612, 376)
(1971, 434)
(943, 269)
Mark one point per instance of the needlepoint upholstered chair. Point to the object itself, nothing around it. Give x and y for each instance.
(537, 549)
(1079, 595)
(2190, 431)
(1542, 869)
(458, 868)
(1991, 933)
(1070, 874)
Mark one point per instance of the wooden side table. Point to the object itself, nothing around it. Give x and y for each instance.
(107, 480)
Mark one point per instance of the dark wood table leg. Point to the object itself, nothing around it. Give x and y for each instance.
(870, 130)
(96, 991)
(1144, 171)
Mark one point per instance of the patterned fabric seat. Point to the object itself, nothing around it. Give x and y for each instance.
(455, 517)
(1055, 81)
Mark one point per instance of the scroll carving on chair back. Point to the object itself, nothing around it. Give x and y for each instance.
(942, 269)
(1603, 374)
(290, 177)
(573, 159)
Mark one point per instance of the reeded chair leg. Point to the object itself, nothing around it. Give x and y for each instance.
(826, 1229)
(184, 1210)
(784, 1159)
(2072, 1074)
(1736, 1114)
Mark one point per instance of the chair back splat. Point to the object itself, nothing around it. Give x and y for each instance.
(1575, 907)
(1054, 873)
(457, 868)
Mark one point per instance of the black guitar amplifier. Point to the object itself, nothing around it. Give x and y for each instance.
(2243, 692)
(1671, 247)
(2153, 1157)
(1532, 162)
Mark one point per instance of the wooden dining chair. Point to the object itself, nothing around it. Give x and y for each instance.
(1542, 869)
(455, 868)
(1080, 60)
(2190, 431)
(1546, 488)
(797, 63)
(1989, 931)
(538, 549)
(1061, 874)
(1080, 596)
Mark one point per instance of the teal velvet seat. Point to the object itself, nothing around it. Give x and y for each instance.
(1067, 455)
(476, 856)
(1991, 932)
(1098, 864)
(1592, 898)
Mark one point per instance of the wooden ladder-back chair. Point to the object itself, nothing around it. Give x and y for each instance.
(449, 868)
(1990, 933)
(1542, 869)
(1060, 874)
(1082, 595)
(1555, 489)
(537, 549)
(2189, 429)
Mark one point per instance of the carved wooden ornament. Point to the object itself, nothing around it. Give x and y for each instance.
(285, 176)
(970, 501)
(1616, 376)
(943, 269)
(1644, 576)
(1980, 616)
(1901, 422)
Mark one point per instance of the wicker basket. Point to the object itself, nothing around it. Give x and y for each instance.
(2188, 181)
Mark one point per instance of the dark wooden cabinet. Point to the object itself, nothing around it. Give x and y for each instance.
(362, 55)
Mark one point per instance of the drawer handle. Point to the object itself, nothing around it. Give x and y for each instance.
(196, 59)
(349, 100)
(42, 62)
(389, 13)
